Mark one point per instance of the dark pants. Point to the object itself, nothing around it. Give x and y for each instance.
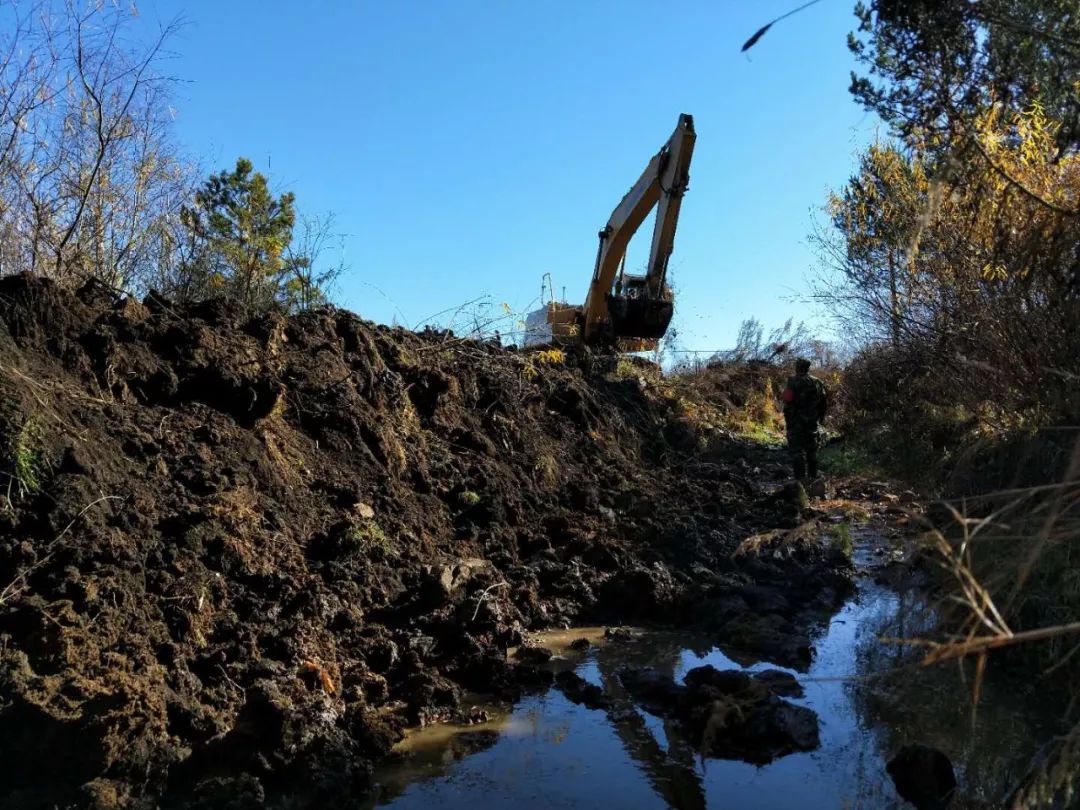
(803, 451)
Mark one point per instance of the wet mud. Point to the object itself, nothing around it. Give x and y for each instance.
(240, 556)
(869, 700)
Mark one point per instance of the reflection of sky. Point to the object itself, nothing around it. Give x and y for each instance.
(557, 754)
(553, 753)
(847, 770)
(562, 756)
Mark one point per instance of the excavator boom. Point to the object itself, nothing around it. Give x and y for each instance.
(663, 183)
(633, 311)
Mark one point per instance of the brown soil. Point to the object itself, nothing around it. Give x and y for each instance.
(238, 556)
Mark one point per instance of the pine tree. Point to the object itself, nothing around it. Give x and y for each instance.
(242, 232)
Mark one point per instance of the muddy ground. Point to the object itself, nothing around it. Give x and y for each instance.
(238, 556)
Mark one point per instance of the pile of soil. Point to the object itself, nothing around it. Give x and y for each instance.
(238, 555)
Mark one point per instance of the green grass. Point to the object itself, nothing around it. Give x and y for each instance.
(847, 459)
(624, 369)
(28, 463)
(469, 498)
(841, 540)
(757, 432)
(367, 536)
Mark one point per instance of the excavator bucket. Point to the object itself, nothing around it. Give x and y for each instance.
(639, 317)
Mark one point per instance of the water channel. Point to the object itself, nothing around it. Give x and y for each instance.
(547, 752)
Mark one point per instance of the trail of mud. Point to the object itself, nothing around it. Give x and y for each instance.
(253, 550)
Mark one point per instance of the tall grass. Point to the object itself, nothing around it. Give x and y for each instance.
(1012, 565)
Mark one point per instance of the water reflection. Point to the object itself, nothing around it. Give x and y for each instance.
(549, 752)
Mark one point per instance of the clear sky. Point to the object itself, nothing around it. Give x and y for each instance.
(468, 147)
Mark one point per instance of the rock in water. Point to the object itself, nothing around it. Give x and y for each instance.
(579, 690)
(794, 494)
(923, 776)
(533, 654)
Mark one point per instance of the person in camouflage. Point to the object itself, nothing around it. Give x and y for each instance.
(805, 404)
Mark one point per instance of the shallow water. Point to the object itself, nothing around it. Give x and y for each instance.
(547, 752)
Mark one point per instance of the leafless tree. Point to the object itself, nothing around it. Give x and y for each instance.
(88, 172)
(315, 261)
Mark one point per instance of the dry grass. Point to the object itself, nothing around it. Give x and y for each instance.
(1011, 563)
(1013, 568)
(737, 397)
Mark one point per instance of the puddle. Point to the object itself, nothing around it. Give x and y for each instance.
(547, 752)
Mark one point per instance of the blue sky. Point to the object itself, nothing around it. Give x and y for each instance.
(469, 147)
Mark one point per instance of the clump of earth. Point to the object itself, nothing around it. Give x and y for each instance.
(239, 555)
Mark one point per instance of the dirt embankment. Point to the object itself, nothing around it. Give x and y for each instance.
(238, 555)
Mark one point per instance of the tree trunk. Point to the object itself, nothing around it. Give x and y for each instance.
(894, 301)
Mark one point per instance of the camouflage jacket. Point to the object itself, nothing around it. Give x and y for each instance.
(805, 403)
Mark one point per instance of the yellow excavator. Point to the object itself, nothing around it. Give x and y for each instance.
(629, 312)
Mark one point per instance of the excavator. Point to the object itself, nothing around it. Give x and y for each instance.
(628, 312)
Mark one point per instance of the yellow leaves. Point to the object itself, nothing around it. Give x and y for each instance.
(834, 205)
(980, 222)
(546, 357)
(1024, 152)
(883, 200)
(551, 357)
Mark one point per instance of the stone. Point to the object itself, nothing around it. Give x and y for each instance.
(655, 690)
(364, 510)
(448, 579)
(530, 654)
(579, 690)
(728, 713)
(725, 681)
(793, 493)
(923, 776)
(780, 683)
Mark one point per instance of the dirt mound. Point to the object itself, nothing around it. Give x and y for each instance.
(237, 555)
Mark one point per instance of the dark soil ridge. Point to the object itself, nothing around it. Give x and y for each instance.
(253, 549)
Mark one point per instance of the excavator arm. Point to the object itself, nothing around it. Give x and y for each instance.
(628, 310)
(640, 306)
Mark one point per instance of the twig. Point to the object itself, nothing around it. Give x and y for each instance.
(10, 590)
(229, 680)
(947, 651)
(483, 596)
